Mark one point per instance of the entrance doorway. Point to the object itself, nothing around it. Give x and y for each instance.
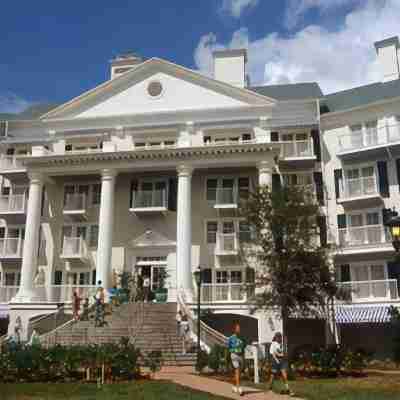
(154, 269)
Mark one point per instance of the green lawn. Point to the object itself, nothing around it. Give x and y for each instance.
(373, 387)
(145, 390)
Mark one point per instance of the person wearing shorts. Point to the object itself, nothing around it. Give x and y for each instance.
(236, 347)
(279, 365)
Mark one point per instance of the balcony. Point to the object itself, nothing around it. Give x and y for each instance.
(13, 207)
(370, 142)
(223, 293)
(227, 244)
(75, 248)
(11, 167)
(149, 201)
(226, 198)
(370, 291)
(297, 150)
(11, 249)
(7, 293)
(75, 206)
(360, 189)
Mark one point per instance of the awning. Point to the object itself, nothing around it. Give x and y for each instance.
(362, 314)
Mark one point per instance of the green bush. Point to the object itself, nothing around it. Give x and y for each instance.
(202, 361)
(217, 358)
(154, 361)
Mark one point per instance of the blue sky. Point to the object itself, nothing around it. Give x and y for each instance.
(53, 51)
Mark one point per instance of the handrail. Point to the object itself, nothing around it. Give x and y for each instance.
(208, 335)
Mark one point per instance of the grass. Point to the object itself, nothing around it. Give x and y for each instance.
(144, 390)
(373, 387)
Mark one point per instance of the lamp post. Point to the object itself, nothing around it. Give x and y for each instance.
(198, 277)
(393, 223)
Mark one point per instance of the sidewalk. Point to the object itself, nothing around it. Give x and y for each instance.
(186, 376)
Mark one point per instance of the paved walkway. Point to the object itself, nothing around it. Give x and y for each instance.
(186, 376)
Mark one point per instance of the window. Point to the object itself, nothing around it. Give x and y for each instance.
(226, 139)
(10, 279)
(83, 147)
(212, 189)
(94, 235)
(236, 276)
(58, 276)
(140, 145)
(244, 232)
(244, 188)
(212, 228)
(226, 190)
(360, 181)
(221, 277)
(300, 179)
(76, 196)
(96, 194)
(369, 281)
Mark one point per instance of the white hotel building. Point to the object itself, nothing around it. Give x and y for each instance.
(147, 170)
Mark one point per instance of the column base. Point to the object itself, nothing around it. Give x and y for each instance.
(26, 296)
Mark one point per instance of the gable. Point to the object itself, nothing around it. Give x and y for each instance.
(151, 239)
(182, 90)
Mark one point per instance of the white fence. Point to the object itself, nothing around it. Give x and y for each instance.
(13, 203)
(363, 235)
(223, 292)
(75, 201)
(74, 247)
(293, 149)
(371, 290)
(360, 187)
(149, 198)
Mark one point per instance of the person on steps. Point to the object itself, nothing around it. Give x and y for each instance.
(236, 346)
(185, 332)
(279, 364)
(76, 304)
(178, 319)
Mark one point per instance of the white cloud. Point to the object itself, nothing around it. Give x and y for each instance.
(11, 103)
(337, 60)
(296, 9)
(235, 8)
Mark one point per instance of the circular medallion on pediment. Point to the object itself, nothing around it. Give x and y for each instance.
(155, 89)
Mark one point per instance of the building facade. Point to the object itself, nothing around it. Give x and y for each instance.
(146, 171)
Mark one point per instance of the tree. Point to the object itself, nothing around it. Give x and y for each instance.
(293, 271)
(395, 321)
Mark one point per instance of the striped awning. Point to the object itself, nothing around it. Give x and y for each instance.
(362, 314)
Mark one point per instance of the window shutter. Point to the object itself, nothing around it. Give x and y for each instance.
(317, 143)
(323, 233)
(345, 273)
(394, 273)
(206, 275)
(172, 194)
(134, 188)
(274, 136)
(276, 182)
(250, 275)
(383, 179)
(338, 178)
(319, 189)
(341, 221)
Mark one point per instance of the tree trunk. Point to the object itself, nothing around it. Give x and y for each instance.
(285, 329)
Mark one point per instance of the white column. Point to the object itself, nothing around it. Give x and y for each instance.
(106, 227)
(184, 230)
(264, 174)
(31, 242)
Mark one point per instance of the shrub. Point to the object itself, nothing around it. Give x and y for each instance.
(217, 358)
(202, 361)
(154, 361)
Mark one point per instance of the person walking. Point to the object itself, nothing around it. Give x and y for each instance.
(178, 319)
(236, 346)
(76, 304)
(146, 289)
(99, 305)
(279, 364)
(185, 332)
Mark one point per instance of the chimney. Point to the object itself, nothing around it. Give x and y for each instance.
(230, 66)
(123, 63)
(389, 58)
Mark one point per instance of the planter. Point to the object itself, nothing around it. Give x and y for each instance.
(162, 296)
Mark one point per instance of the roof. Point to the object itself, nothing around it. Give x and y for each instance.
(30, 113)
(292, 91)
(360, 96)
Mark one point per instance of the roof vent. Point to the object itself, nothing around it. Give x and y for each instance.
(124, 62)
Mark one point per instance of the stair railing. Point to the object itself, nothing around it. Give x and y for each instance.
(208, 335)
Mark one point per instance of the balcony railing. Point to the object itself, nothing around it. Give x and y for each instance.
(360, 187)
(297, 149)
(75, 202)
(370, 290)
(7, 293)
(370, 137)
(149, 199)
(13, 203)
(363, 235)
(227, 243)
(223, 292)
(74, 247)
(11, 247)
(10, 163)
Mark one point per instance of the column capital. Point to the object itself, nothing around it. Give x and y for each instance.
(264, 166)
(36, 177)
(108, 174)
(184, 170)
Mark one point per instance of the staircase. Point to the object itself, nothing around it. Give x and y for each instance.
(150, 326)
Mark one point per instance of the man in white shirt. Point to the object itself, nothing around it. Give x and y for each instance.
(279, 365)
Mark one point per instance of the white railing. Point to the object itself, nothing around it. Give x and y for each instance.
(371, 136)
(227, 243)
(225, 196)
(10, 163)
(74, 247)
(13, 203)
(228, 142)
(370, 290)
(223, 292)
(363, 235)
(7, 293)
(149, 198)
(11, 247)
(293, 149)
(360, 187)
(75, 201)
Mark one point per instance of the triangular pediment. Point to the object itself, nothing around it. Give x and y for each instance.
(152, 239)
(176, 89)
